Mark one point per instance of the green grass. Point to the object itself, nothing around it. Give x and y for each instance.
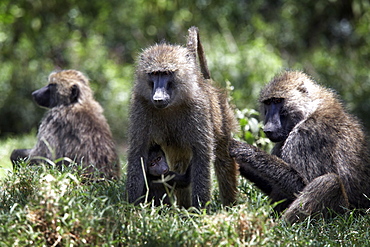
(7, 146)
(42, 206)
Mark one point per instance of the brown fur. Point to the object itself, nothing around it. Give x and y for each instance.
(195, 46)
(193, 130)
(322, 162)
(161, 181)
(74, 126)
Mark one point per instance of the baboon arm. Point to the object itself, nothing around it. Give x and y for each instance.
(267, 167)
(313, 150)
(180, 180)
(252, 176)
(201, 175)
(139, 148)
(135, 183)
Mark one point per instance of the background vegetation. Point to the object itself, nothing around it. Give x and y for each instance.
(246, 43)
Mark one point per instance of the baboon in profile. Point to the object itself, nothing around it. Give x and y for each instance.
(160, 179)
(174, 106)
(74, 127)
(320, 162)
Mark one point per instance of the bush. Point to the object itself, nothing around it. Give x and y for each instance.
(327, 39)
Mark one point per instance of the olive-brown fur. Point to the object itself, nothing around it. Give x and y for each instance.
(194, 129)
(74, 126)
(323, 163)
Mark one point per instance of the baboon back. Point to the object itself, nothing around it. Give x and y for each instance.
(74, 127)
(320, 159)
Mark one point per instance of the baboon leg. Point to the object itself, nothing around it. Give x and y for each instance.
(199, 163)
(281, 199)
(323, 195)
(226, 172)
(179, 163)
(201, 181)
(183, 197)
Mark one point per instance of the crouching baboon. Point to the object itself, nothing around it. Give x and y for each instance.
(320, 162)
(174, 106)
(74, 127)
(161, 181)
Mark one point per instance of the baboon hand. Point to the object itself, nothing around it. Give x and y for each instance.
(241, 150)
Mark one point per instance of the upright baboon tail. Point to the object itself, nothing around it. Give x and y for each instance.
(195, 46)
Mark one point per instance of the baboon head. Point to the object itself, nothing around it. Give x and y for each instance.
(157, 164)
(64, 88)
(163, 71)
(288, 99)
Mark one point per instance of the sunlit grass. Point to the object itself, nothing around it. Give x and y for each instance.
(8, 145)
(43, 206)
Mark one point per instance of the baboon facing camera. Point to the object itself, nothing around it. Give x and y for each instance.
(320, 162)
(162, 181)
(74, 127)
(175, 107)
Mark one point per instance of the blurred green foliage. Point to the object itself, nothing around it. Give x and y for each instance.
(251, 129)
(246, 43)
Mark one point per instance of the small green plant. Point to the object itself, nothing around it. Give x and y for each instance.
(251, 129)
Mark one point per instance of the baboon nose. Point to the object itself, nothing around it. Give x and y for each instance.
(161, 98)
(161, 95)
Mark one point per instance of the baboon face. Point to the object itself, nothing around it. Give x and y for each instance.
(63, 89)
(284, 105)
(164, 72)
(48, 96)
(277, 123)
(161, 84)
(157, 164)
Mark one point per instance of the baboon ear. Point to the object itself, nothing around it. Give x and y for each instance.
(75, 93)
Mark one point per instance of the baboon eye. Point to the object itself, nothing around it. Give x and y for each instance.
(158, 159)
(273, 100)
(277, 100)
